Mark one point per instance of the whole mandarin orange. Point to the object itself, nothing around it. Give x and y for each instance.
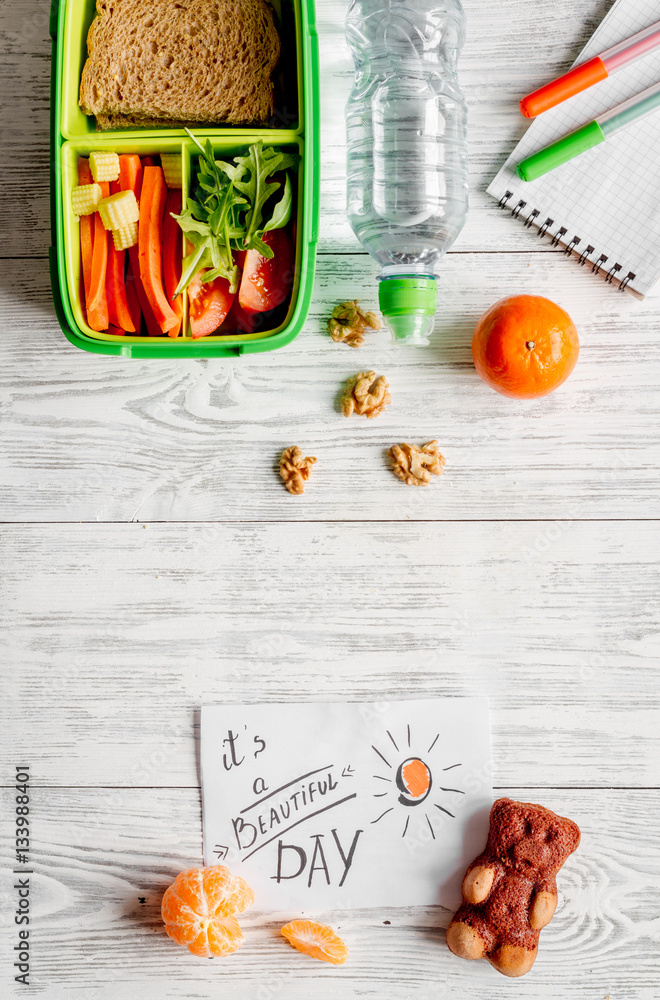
(525, 346)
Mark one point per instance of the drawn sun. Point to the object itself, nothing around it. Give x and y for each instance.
(412, 781)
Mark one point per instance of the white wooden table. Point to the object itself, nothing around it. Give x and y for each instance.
(152, 562)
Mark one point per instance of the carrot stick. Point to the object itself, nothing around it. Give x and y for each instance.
(86, 251)
(132, 299)
(97, 303)
(150, 236)
(130, 179)
(134, 279)
(130, 174)
(118, 309)
(119, 312)
(84, 172)
(86, 233)
(172, 255)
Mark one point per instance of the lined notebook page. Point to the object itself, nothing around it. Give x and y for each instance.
(607, 201)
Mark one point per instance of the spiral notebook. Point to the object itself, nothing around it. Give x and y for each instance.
(604, 206)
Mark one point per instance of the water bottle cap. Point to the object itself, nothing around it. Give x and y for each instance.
(408, 305)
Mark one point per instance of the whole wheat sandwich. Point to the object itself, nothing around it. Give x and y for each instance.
(159, 62)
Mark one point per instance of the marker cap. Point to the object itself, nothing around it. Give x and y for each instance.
(573, 82)
(560, 152)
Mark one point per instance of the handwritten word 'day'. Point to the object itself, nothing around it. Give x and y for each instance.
(317, 859)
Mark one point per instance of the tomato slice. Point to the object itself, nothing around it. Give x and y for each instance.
(208, 304)
(266, 283)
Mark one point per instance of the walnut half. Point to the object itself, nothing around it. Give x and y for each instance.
(415, 466)
(366, 394)
(295, 469)
(348, 323)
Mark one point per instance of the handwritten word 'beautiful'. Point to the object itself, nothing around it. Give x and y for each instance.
(246, 832)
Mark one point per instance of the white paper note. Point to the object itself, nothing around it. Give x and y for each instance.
(343, 806)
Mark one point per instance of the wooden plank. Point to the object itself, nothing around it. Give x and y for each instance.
(493, 82)
(93, 438)
(98, 853)
(117, 634)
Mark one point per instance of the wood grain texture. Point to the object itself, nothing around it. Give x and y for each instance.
(519, 574)
(98, 852)
(93, 438)
(118, 633)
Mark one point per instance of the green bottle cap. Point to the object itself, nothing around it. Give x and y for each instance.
(408, 305)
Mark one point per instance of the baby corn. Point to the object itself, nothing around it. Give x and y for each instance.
(125, 237)
(85, 198)
(171, 164)
(119, 210)
(104, 166)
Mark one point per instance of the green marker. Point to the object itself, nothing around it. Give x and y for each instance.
(590, 135)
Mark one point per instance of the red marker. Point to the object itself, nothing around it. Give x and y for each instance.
(589, 73)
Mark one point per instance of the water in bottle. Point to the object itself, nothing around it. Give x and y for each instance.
(407, 157)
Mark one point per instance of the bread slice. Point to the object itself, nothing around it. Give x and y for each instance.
(198, 61)
(115, 123)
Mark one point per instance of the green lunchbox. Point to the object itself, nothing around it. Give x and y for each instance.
(73, 134)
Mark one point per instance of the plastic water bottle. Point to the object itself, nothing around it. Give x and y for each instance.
(407, 152)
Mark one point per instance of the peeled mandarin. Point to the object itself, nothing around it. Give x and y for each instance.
(199, 910)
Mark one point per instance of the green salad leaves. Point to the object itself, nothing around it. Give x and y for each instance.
(231, 207)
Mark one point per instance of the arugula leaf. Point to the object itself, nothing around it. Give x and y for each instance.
(232, 208)
(193, 264)
(189, 224)
(282, 211)
(250, 176)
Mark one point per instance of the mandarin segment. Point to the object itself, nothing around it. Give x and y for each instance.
(189, 887)
(225, 936)
(178, 914)
(226, 894)
(316, 940)
(184, 933)
(199, 910)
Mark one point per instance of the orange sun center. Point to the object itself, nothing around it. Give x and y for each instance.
(416, 777)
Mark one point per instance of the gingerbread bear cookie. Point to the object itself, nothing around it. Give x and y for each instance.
(509, 891)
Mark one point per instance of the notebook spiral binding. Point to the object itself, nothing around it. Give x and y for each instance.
(598, 265)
